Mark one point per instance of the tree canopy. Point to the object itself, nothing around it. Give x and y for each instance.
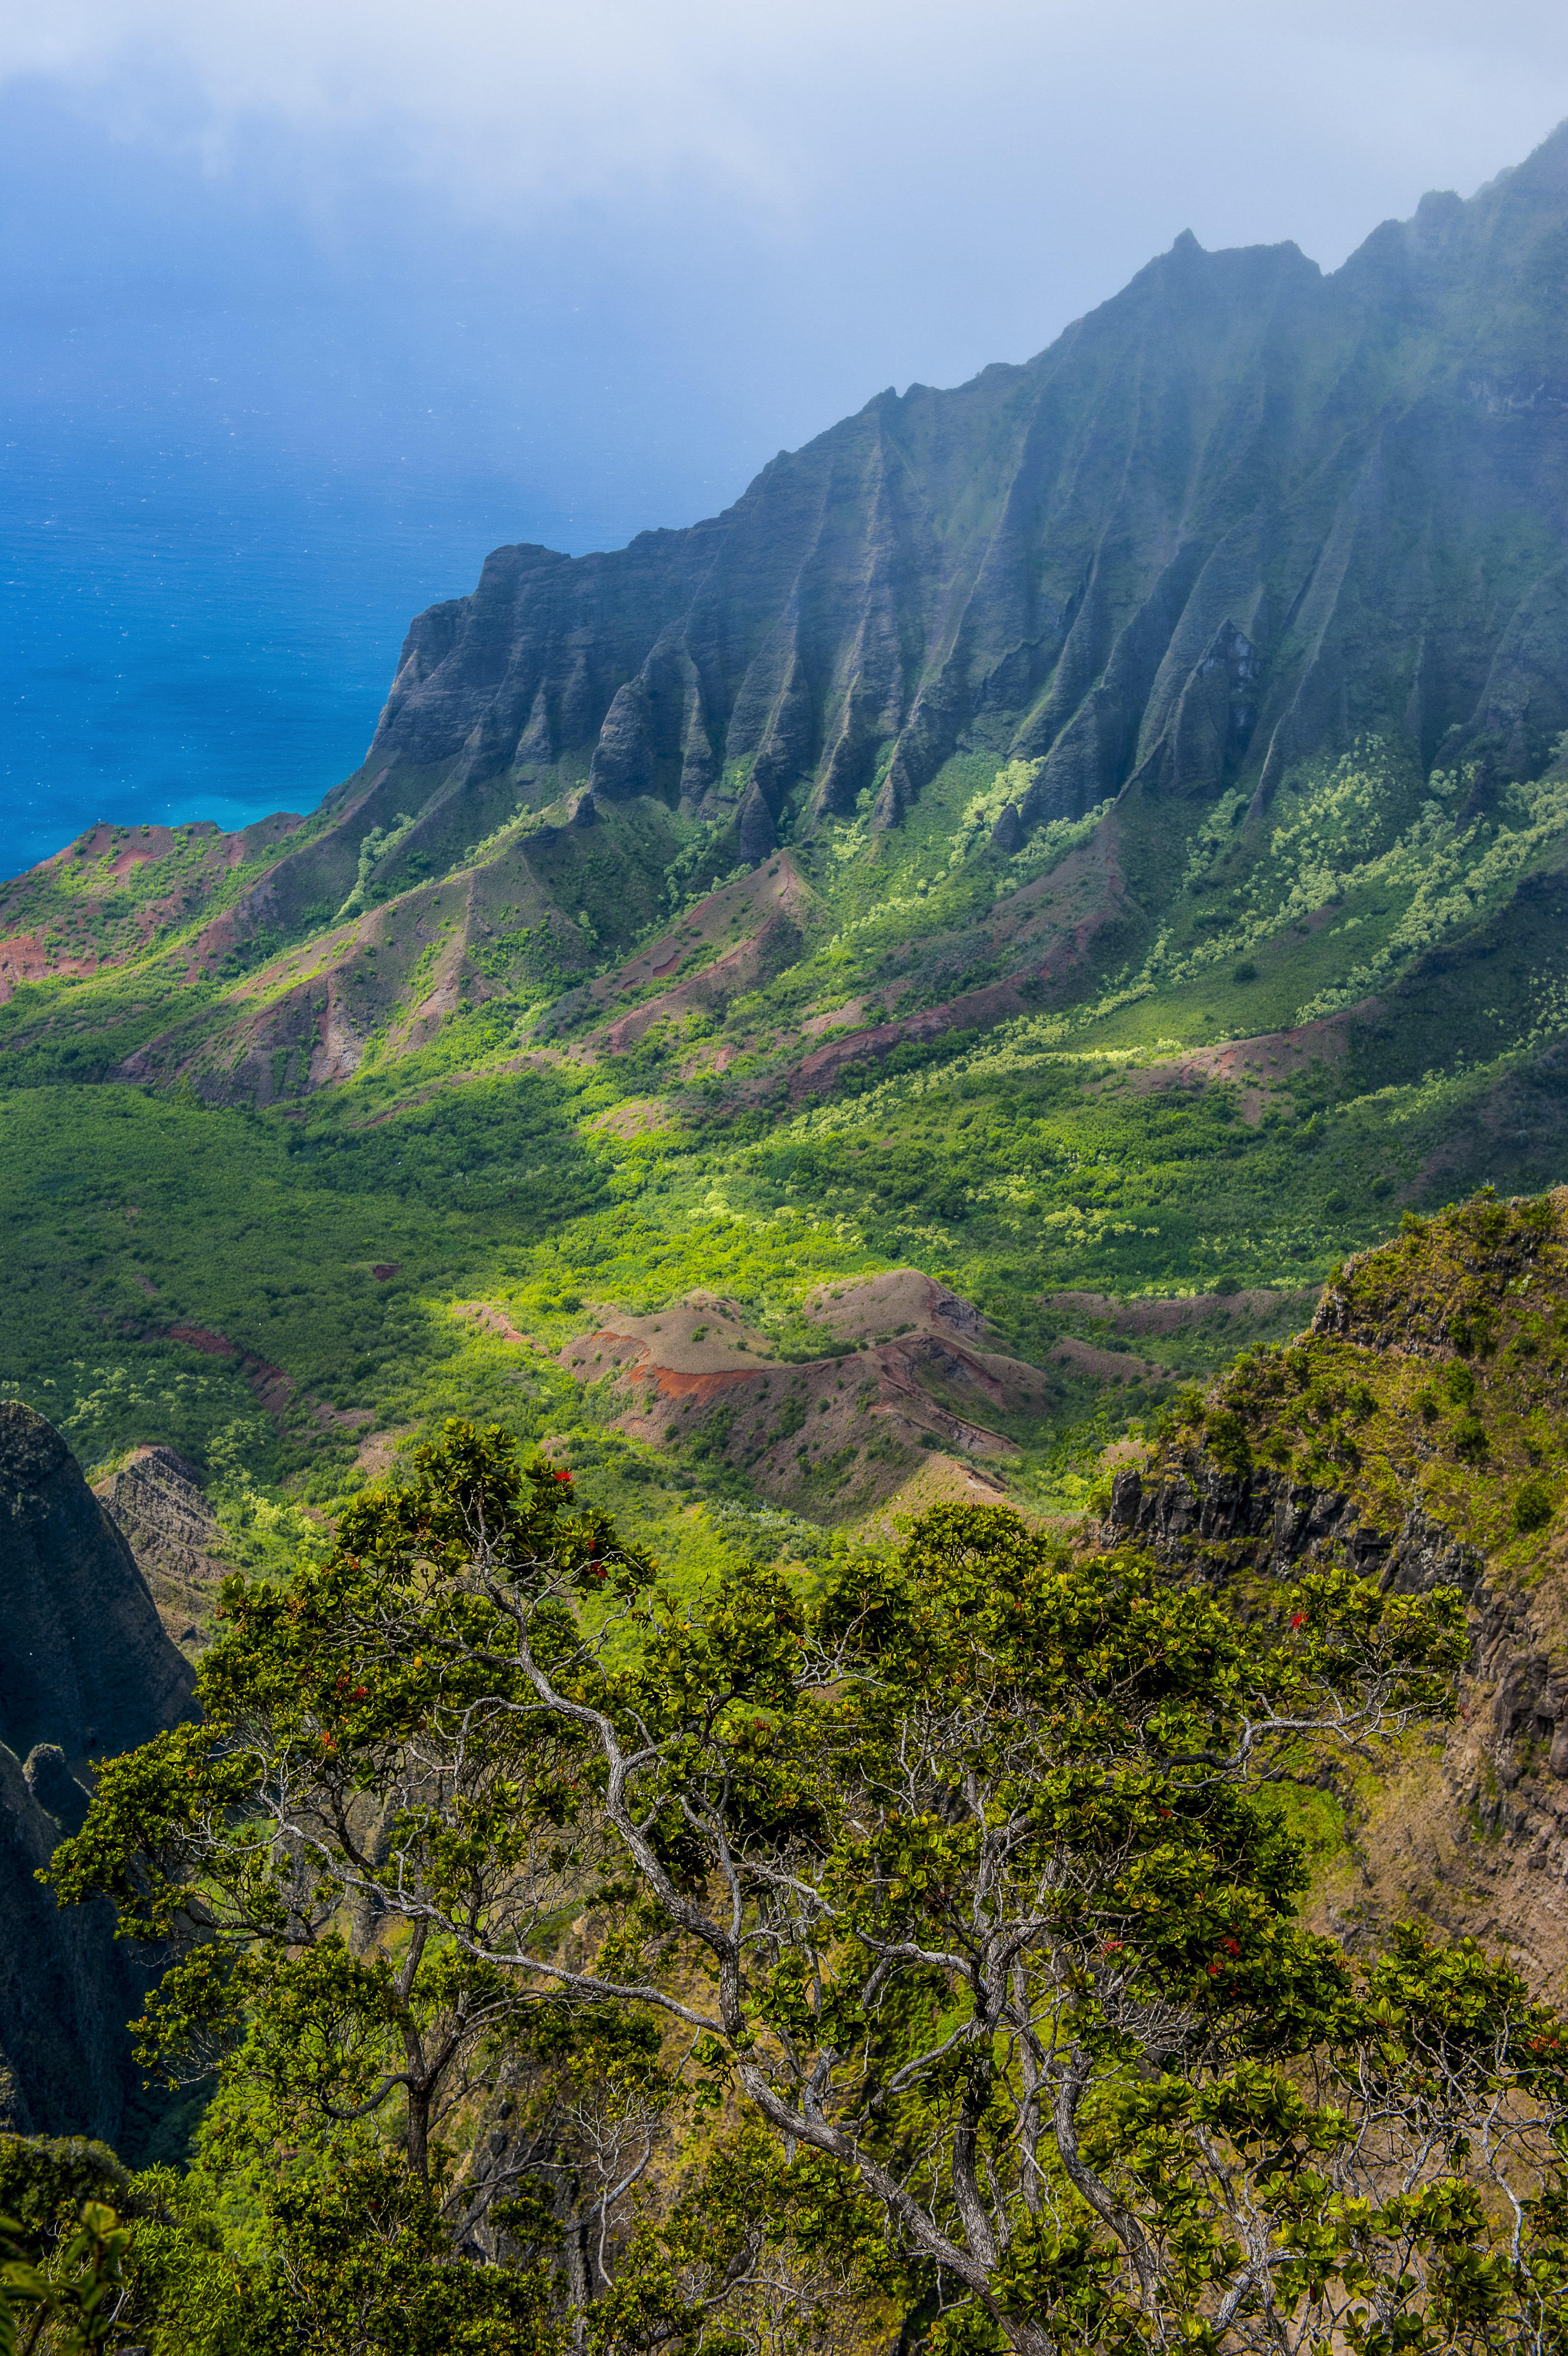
(759, 1972)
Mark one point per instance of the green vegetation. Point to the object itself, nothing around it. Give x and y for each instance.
(504, 1148)
(707, 1963)
(1431, 1378)
(514, 1085)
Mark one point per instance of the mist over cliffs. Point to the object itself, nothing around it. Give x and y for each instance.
(1240, 511)
(786, 1006)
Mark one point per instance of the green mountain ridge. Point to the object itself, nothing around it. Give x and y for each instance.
(978, 976)
(1099, 831)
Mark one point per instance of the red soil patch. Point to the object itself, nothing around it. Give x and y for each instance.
(1050, 926)
(24, 957)
(196, 1337)
(272, 1387)
(833, 1435)
(978, 1010)
(877, 1306)
(670, 1383)
(1254, 1065)
(492, 1320)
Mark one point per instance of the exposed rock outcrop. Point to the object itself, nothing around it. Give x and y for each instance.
(1415, 1431)
(86, 1670)
(1263, 1520)
(67, 1987)
(1475, 1833)
(156, 1501)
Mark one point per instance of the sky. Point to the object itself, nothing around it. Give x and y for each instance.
(346, 292)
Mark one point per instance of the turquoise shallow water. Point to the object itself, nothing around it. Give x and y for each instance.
(188, 634)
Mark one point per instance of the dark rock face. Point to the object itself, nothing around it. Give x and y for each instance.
(85, 1668)
(1203, 1511)
(86, 1664)
(1239, 513)
(66, 1987)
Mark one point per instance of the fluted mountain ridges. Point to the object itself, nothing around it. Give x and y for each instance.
(1238, 520)
(1241, 508)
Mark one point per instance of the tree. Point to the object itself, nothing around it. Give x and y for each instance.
(973, 1883)
(74, 2308)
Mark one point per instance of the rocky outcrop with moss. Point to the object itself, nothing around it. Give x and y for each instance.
(1418, 1429)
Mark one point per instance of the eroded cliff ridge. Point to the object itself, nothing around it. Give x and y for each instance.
(1419, 1431)
(1238, 509)
(85, 1671)
(1243, 521)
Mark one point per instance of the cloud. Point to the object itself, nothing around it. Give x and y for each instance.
(545, 103)
(518, 110)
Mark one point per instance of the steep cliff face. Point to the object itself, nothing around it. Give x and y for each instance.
(86, 1661)
(1239, 511)
(1242, 521)
(85, 1669)
(1417, 1432)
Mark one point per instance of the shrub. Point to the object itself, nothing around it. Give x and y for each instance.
(1227, 1437)
(1470, 1438)
(1245, 971)
(1533, 1504)
(44, 2180)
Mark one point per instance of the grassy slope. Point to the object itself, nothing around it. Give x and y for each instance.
(1064, 1138)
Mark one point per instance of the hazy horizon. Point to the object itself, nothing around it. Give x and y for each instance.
(306, 309)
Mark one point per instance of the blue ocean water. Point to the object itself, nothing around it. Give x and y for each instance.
(186, 632)
(246, 435)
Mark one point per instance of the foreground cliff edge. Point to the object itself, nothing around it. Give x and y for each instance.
(1418, 1431)
(86, 1671)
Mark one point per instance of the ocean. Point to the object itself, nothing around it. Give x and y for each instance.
(247, 434)
(188, 632)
